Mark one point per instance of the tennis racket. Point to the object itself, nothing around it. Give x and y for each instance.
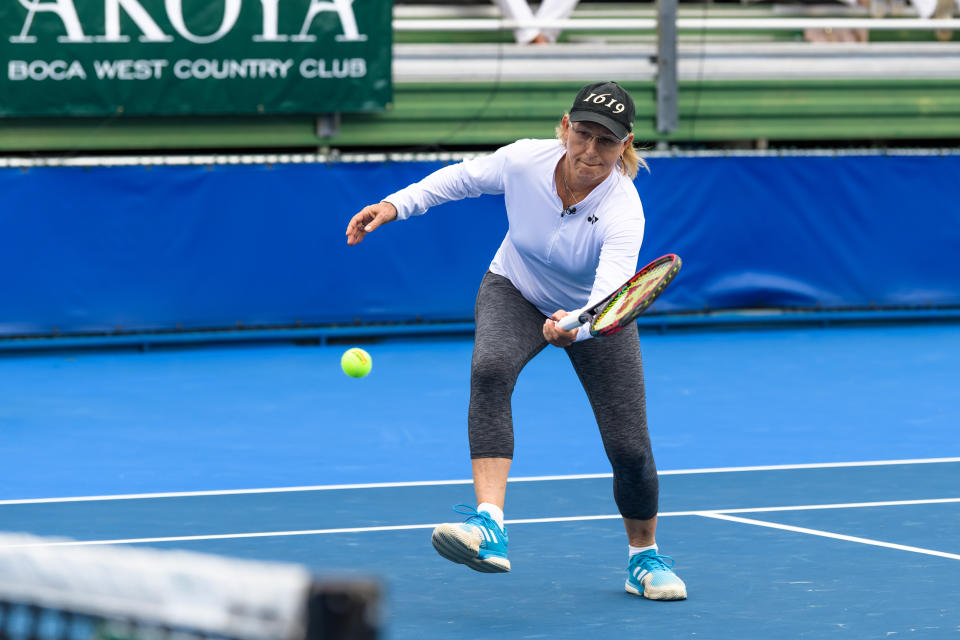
(623, 306)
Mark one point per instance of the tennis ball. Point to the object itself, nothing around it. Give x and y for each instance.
(356, 362)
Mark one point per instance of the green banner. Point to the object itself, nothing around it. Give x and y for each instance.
(171, 57)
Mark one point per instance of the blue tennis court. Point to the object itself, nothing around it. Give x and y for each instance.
(809, 476)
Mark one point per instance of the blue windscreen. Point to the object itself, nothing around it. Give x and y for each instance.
(150, 248)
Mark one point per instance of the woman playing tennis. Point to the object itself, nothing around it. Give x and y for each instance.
(575, 228)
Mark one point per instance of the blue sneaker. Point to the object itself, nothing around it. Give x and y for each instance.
(478, 542)
(651, 575)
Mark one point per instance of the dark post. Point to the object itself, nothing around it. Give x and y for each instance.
(666, 66)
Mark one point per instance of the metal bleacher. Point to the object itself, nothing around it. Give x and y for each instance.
(746, 75)
(757, 79)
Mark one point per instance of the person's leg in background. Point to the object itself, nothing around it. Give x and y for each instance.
(548, 10)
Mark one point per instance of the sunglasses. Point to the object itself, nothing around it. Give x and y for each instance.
(605, 143)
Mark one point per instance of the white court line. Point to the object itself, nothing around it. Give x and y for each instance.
(699, 512)
(216, 536)
(437, 483)
(407, 527)
(817, 507)
(828, 534)
(814, 465)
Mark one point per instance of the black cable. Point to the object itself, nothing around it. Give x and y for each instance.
(699, 82)
(482, 110)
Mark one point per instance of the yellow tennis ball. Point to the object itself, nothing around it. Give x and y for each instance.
(356, 362)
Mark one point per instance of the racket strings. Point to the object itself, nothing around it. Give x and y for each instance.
(631, 296)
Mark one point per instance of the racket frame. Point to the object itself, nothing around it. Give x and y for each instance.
(592, 313)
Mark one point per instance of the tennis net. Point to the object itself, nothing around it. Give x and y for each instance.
(60, 590)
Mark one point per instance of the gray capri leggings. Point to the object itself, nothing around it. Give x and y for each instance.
(509, 333)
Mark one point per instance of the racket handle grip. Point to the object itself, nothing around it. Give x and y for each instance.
(571, 320)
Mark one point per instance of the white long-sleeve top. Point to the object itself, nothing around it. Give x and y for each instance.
(558, 259)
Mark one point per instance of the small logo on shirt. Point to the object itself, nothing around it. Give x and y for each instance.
(592, 219)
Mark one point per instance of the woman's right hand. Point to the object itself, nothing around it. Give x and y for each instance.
(556, 336)
(368, 219)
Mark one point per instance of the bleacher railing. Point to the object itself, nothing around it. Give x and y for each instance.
(667, 25)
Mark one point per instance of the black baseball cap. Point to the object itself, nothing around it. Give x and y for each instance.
(607, 104)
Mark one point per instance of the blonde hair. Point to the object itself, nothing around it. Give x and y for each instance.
(629, 163)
